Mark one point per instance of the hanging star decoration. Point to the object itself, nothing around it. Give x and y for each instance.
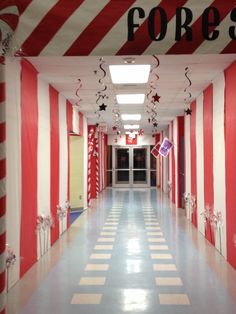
(102, 107)
(155, 124)
(188, 111)
(156, 97)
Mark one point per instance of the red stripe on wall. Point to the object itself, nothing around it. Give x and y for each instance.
(180, 136)
(2, 132)
(49, 25)
(54, 164)
(188, 47)
(173, 164)
(81, 124)
(193, 155)
(2, 206)
(2, 92)
(98, 28)
(230, 153)
(2, 168)
(208, 157)
(142, 38)
(22, 5)
(69, 119)
(230, 48)
(3, 274)
(29, 159)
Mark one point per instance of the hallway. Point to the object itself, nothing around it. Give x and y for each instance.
(133, 252)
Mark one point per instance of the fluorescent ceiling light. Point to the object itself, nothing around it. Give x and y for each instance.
(133, 132)
(131, 126)
(129, 74)
(133, 117)
(128, 99)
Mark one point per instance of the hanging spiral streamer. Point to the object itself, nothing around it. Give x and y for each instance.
(187, 100)
(100, 94)
(151, 106)
(77, 91)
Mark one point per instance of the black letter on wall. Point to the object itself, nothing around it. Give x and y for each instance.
(131, 24)
(180, 24)
(163, 24)
(232, 28)
(206, 24)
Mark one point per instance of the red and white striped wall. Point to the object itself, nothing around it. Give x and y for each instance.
(39, 121)
(101, 28)
(2, 188)
(210, 152)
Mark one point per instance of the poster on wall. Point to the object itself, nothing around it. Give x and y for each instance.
(131, 140)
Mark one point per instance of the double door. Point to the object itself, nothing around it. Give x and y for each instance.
(131, 166)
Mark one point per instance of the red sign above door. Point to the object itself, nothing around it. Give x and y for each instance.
(131, 140)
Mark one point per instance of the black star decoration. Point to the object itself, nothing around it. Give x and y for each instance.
(102, 107)
(188, 111)
(156, 98)
(155, 124)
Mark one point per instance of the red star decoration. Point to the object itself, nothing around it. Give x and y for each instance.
(114, 128)
(156, 98)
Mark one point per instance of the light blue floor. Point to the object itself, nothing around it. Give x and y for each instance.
(130, 281)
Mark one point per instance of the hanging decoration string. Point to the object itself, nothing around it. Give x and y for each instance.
(188, 97)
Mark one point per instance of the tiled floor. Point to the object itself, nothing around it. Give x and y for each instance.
(132, 252)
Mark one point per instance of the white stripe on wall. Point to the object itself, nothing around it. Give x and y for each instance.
(63, 176)
(219, 157)
(85, 135)
(75, 120)
(200, 163)
(13, 157)
(43, 157)
(187, 154)
(187, 158)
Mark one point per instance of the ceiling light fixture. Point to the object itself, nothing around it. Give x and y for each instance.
(131, 126)
(128, 99)
(129, 73)
(131, 117)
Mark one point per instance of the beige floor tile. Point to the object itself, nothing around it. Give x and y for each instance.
(103, 247)
(105, 233)
(168, 281)
(100, 256)
(174, 299)
(92, 281)
(106, 240)
(157, 240)
(164, 267)
(158, 247)
(148, 219)
(113, 219)
(153, 228)
(161, 256)
(83, 298)
(96, 267)
(154, 233)
(109, 228)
